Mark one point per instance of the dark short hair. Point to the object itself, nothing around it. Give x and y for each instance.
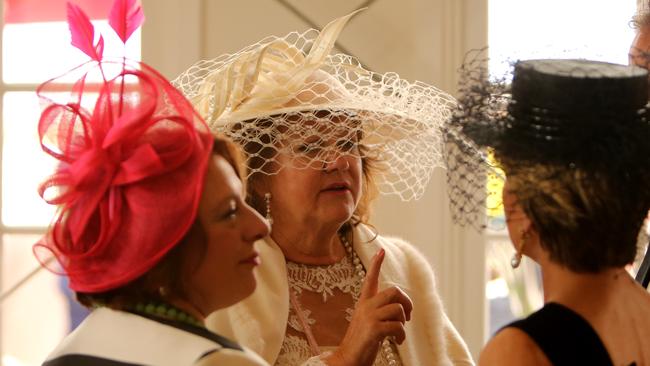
(171, 271)
(586, 220)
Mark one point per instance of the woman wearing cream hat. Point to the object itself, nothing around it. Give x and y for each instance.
(323, 136)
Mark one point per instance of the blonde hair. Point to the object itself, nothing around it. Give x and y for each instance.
(642, 17)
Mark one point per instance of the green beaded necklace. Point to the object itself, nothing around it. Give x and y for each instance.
(169, 312)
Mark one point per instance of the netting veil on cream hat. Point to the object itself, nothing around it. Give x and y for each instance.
(289, 96)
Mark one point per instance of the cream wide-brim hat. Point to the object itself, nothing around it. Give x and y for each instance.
(285, 93)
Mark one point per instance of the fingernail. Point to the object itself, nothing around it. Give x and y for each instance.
(381, 252)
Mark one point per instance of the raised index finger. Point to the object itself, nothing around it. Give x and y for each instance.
(371, 282)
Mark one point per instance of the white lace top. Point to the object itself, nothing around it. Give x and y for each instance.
(327, 295)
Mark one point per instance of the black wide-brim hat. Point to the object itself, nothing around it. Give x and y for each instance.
(565, 114)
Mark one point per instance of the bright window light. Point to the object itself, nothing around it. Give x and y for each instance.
(35, 52)
(24, 164)
(593, 29)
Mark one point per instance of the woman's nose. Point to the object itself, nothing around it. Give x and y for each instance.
(256, 227)
(339, 162)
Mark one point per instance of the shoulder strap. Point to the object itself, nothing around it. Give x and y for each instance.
(565, 337)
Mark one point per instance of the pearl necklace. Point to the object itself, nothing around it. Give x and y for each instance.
(386, 345)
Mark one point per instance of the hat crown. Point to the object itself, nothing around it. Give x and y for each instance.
(576, 119)
(578, 87)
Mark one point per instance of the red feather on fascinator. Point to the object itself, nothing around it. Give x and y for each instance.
(83, 33)
(131, 167)
(125, 17)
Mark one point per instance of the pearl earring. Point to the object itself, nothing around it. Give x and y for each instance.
(267, 200)
(163, 291)
(515, 261)
(516, 258)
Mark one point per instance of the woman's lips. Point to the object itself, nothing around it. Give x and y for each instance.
(341, 190)
(253, 259)
(337, 187)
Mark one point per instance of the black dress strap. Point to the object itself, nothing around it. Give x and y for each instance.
(565, 337)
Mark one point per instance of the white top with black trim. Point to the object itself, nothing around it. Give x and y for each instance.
(117, 338)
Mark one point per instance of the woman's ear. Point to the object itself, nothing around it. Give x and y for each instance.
(517, 219)
(520, 226)
(533, 247)
(527, 224)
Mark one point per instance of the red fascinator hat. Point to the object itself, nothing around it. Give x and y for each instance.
(132, 157)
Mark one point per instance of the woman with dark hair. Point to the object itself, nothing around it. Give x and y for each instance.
(572, 137)
(152, 231)
(322, 135)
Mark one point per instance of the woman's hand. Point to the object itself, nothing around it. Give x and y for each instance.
(378, 314)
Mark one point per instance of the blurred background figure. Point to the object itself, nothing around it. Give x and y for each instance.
(641, 43)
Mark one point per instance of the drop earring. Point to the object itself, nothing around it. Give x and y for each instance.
(516, 258)
(267, 200)
(163, 291)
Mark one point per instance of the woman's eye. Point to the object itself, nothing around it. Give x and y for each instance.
(347, 145)
(231, 214)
